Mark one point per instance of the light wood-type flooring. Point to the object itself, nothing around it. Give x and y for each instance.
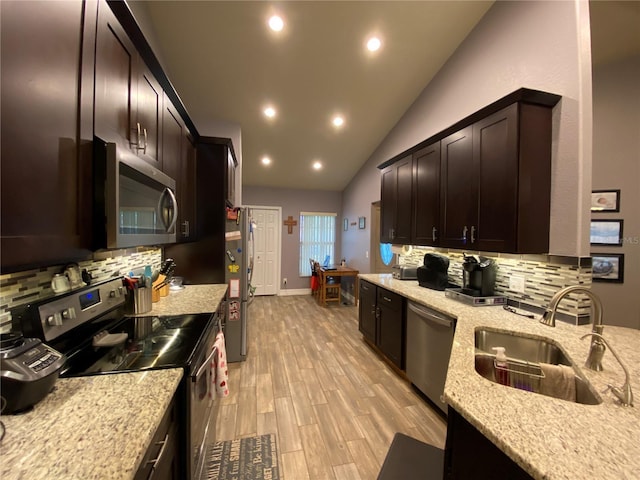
(333, 404)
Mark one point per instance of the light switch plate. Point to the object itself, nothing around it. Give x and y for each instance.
(516, 283)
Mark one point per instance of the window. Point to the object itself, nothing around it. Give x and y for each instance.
(317, 239)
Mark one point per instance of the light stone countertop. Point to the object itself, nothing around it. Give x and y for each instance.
(96, 427)
(547, 437)
(191, 299)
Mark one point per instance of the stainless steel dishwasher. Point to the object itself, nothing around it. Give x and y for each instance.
(429, 340)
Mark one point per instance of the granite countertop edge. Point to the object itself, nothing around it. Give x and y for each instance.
(549, 438)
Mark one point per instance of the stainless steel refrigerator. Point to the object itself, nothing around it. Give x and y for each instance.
(223, 257)
(238, 269)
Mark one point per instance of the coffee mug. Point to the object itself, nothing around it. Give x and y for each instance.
(60, 283)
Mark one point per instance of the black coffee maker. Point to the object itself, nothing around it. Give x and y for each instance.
(478, 276)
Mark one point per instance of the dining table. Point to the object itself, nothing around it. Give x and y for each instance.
(338, 271)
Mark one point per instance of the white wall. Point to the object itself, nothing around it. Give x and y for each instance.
(616, 165)
(538, 45)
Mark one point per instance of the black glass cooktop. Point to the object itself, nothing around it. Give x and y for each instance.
(140, 343)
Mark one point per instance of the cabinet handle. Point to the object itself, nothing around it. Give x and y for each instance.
(392, 233)
(473, 234)
(157, 459)
(464, 234)
(144, 148)
(434, 230)
(137, 142)
(185, 229)
(387, 299)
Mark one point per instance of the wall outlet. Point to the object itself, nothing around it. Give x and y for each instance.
(516, 283)
(284, 281)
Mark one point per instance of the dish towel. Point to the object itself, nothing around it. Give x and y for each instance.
(220, 373)
(559, 381)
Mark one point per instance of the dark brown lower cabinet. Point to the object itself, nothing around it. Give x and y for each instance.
(469, 455)
(162, 459)
(382, 321)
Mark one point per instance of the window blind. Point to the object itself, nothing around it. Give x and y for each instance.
(317, 239)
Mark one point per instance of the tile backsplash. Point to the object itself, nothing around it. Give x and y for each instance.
(544, 275)
(22, 287)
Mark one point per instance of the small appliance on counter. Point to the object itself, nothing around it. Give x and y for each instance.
(433, 274)
(478, 282)
(405, 272)
(29, 371)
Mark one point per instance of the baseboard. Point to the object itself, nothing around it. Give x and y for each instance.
(294, 291)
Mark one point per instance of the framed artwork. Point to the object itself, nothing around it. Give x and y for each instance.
(345, 224)
(361, 222)
(605, 201)
(607, 267)
(606, 232)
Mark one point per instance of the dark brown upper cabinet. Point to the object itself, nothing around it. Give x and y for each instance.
(459, 189)
(396, 196)
(490, 190)
(46, 131)
(425, 224)
(178, 161)
(128, 98)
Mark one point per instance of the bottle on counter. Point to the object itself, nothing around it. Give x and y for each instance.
(501, 366)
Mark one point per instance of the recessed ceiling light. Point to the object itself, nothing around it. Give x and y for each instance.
(266, 160)
(269, 112)
(373, 44)
(276, 23)
(338, 121)
(317, 165)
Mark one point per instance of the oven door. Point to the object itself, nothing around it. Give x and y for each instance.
(201, 401)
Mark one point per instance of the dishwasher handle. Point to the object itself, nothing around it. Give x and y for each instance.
(431, 316)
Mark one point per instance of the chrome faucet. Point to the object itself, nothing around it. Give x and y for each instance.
(596, 352)
(624, 394)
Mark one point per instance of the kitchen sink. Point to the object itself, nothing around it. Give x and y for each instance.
(524, 355)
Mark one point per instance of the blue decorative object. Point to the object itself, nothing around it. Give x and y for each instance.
(386, 253)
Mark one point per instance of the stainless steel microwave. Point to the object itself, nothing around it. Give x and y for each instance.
(134, 202)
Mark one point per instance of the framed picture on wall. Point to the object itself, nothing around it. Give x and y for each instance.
(605, 201)
(607, 267)
(345, 224)
(606, 232)
(361, 222)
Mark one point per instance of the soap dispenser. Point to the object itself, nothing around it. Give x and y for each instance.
(501, 366)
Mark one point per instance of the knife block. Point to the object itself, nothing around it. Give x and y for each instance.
(157, 287)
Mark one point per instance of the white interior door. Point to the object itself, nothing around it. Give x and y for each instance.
(266, 254)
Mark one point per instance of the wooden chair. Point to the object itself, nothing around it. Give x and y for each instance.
(329, 288)
(315, 278)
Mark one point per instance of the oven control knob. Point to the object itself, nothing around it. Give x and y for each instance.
(69, 313)
(112, 294)
(55, 319)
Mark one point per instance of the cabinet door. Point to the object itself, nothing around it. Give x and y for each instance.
(426, 196)
(458, 190)
(116, 82)
(367, 311)
(149, 115)
(396, 202)
(387, 204)
(187, 181)
(46, 131)
(391, 326)
(173, 154)
(495, 153)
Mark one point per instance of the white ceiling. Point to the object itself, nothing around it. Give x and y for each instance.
(227, 65)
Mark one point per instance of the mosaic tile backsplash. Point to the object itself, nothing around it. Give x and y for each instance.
(23, 287)
(544, 275)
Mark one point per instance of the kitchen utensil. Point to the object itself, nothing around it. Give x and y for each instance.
(29, 371)
(60, 283)
(86, 277)
(72, 271)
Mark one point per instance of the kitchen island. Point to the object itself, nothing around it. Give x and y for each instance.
(88, 428)
(547, 437)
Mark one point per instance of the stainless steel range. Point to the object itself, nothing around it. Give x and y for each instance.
(90, 328)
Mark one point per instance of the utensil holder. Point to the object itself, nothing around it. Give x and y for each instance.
(139, 300)
(156, 289)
